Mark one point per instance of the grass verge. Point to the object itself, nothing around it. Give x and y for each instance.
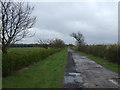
(48, 73)
(17, 58)
(112, 66)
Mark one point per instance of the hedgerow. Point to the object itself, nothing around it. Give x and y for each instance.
(107, 52)
(17, 59)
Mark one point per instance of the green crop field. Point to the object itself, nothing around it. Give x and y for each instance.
(18, 58)
(47, 73)
(0, 69)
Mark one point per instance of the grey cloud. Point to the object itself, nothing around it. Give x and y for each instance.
(97, 21)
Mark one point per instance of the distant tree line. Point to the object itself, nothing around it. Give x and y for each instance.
(25, 45)
(57, 43)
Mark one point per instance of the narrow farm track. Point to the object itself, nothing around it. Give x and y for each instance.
(82, 72)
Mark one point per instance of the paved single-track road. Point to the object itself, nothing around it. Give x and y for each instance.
(82, 72)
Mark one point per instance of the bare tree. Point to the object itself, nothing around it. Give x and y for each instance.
(57, 43)
(43, 41)
(16, 20)
(79, 38)
(0, 27)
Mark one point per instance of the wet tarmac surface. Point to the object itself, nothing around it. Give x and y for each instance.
(82, 72)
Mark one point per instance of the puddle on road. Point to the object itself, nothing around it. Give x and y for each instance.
(98, 66)
(73, 78)
(87, 61)
(74, 74)
(113, 81)
(83, 57)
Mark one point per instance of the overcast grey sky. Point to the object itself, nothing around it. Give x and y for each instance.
(97, 21)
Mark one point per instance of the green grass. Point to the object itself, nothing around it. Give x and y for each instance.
(24, 48)
(105, 63)
(45, 74)
(0, 69)
(18, 58)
